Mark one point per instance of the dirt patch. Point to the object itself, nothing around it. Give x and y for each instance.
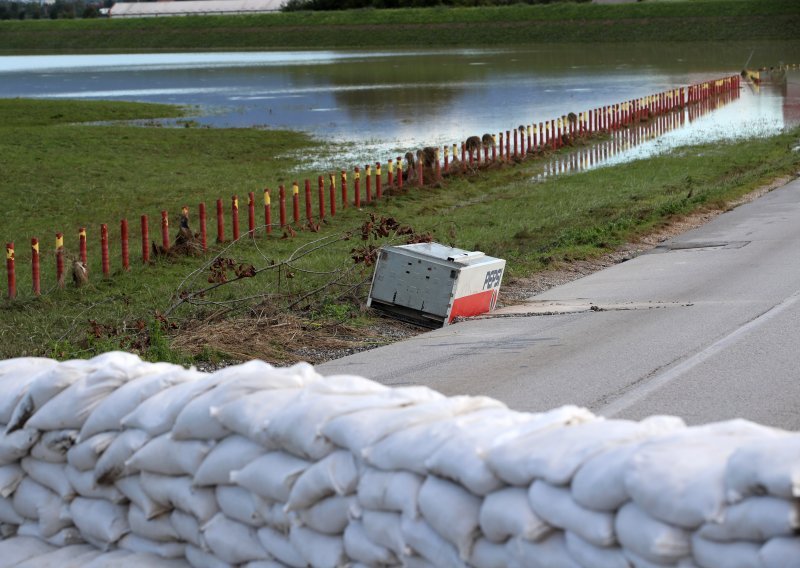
(283, 339)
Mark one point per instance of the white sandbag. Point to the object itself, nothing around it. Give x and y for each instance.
(16, 445)
(233, 542)
(556, 454)
(638, 561)
(548, 553)
(232, 453)
(128, 559)
(50, 475)
(109, 559)
(71, 556)
(250, 415)
(389, 490)
(781, 552)
(179, 492)
(426, 542)
(507, 513)
(194, 421)
(240, 504)
(10, 476)
(46, 385)
(488, 554)
(346, 385)
(200, 559)
(599, 483)
(84, 485)
(131, 487)
(650, 538)
(679, 479)
(67, 536)
(140, 545)
(20, 548)
(158, 528)
(385, 529)
(70, 407)
(279, 546)
(274, 514)
(557, 507)
(84, 456)
(336, 474)
(769, 466)
(16, 375)
(272, 475)
(108, 415)
(8, 530)
(756, 519)
(297, 428)
(37, 503)
(358, 430)
(111, 465)
(187, 528)
(329, 516)
(267, 564)
(452, 511)
(8, 514)
(319, 550)
(589, 555)
(53, 446)
(157, 414)
(166, 456)
(461, 457)
(710, 554)
(360, 548)
(99, 520)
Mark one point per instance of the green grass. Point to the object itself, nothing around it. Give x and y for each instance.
(59, 176)
(698, 20)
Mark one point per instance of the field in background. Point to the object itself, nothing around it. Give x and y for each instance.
(699, 20)
(59, 176)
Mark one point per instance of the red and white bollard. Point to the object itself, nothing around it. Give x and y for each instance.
(251, 213)
(321, 197)
(82, 247)
(11, 271)
(104, 260)
(35, 268)
(60, 260)
(267, 211)
(145, 240)
(235, 217)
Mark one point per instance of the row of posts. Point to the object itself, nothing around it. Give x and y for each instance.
(526, 139)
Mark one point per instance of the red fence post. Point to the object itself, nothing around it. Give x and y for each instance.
(308, 200)
(368, 179)
(104, 250)
(378, 181)
(446, 159)
(145, 241)
(332, 194)
(123, 234)
(295, 202)
(357, 186)
(282, 204)
(438, 166)
(321, 197)
(235, 217)
(220, 222)
(464, 157)
(251, 213)
(35, 269)
(516, 142)
(82, 246)
(530, 139)
(399, 172)
(390, 174)
(267, 211)
(203, 227)
(60, 260)
(10, 271)
(344, 189)
(165, 230)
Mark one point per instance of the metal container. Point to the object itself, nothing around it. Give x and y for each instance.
(431, 284)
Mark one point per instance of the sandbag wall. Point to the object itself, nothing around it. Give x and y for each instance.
(118, 462)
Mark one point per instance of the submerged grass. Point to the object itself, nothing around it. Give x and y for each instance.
(59, 176)
(698, 20)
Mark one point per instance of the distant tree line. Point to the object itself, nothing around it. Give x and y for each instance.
(57, 10)
(294, 5)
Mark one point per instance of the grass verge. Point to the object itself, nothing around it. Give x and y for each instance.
(59, 176)
(699, 20)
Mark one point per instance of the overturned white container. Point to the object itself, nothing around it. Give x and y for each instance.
(432, 284)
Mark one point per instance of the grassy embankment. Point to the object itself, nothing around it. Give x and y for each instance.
(699, 20)
(59, 175)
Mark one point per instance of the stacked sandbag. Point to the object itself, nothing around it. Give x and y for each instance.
(114, 461)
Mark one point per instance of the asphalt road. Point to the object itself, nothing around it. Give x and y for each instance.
(706, 327)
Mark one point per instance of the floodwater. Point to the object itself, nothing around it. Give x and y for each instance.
(384, 103)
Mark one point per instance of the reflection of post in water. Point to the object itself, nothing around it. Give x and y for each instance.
(623, 137)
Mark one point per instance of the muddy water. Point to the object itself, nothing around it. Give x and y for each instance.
(383, 103)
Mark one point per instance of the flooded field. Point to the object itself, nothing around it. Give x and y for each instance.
(382, 103)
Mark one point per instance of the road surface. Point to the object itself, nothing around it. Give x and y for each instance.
(706, 326)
